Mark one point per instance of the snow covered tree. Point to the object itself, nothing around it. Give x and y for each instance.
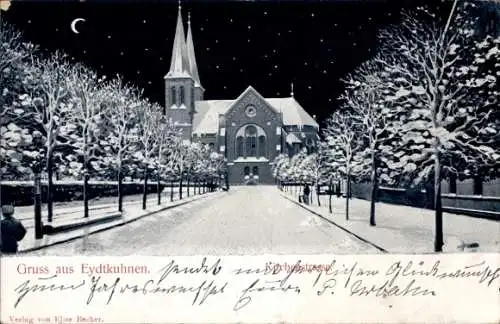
(86, 120)
(165, 141)
(365, 94)
(149, 118)
(45, 107)
(122, 101)
(440, 74)
(279, 168)
(343, 141)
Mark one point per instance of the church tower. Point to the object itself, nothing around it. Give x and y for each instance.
(182, 84)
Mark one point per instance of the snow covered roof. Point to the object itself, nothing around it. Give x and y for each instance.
(206, 118)
(292, 138)
(293, 112)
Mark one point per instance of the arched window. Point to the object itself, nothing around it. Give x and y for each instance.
(255, 170)
(251, 142)
(239, 146)
(181, 95)
(246, 171)
(173, 96)
(262, 146)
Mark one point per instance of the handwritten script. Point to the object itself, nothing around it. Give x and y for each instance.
(209, 280)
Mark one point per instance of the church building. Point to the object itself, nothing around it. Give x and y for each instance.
(250, 131)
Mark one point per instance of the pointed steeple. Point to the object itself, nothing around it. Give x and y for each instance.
(179, 65)
(193, 67)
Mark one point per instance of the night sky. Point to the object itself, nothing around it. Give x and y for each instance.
(238, 43)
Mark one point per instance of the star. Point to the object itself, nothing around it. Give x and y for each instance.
(234, 58)
(138, 72)
(231, 20)
(121, 53)
(109, 36)
(265, 13)
(146, 49)
(217, 67)
(216, 41)
(225, 87)
(312, 14)
(331, 62)
(279, 34)
(144, 21)
(321, 40)
(249, 27)
(84, 52)
(208, 48)
(305, 63)
(249, 40)
(29, 21)
(241, 70)
(276, 66)
(149, 82)
(201, 29)
(354, 44)
(309, 87)
(325, 72)
(270, 74)
(57, 29)
(329, 99)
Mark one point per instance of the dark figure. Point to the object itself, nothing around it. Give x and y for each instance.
(307, 191)
(12, 231)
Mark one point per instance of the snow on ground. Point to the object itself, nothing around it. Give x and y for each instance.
(246, 220)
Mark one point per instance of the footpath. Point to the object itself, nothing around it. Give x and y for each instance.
(404, 229)
(101, 217)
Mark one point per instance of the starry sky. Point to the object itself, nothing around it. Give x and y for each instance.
(266, 44)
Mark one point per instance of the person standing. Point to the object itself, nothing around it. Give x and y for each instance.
(307, 191)
(12, 230)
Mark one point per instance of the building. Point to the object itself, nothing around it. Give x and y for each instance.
(249, 130)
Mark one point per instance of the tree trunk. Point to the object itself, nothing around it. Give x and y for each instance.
(120, 188)
(347, 194)
(438, 241)
(188, 186)
(171, 190)
(204, 184)
(50, 187)
(38, 207)
(85, 191)
(145, 189)
(158, 189)
(317, 194)
(330, 189)
(180, 188)
(374, 189)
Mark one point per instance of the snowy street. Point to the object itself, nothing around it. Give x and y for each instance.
(246, 220)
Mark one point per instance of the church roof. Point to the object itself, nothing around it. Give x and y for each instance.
(179, 64)
(193, 67)
(206, 118)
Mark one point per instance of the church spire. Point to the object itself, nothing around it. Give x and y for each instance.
(179, 65)
(193, 67)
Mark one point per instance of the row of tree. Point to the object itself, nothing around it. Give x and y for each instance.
(423, 109)
(60, 117)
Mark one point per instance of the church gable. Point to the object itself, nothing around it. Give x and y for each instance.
(251, 104)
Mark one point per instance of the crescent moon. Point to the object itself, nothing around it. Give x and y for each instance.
(73, 25)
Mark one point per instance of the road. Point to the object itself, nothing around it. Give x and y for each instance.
(246, 220)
